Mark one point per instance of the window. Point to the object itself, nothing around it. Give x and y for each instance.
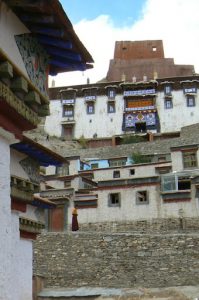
(111, 93)
(184, 183)
(116, 174)
(62, 170)
(117, 162)
(132, 171)
(142, 197)
(68, 111)
(111, 107)
(167, 90)
(169, 183)
(114, 200)
(168, 103)
(189, 159)
(90, 94)
(190, 101)
(174, 183)
(90, 108)
(68, 96)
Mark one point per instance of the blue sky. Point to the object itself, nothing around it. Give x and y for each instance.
(100, 23)
(123, 13)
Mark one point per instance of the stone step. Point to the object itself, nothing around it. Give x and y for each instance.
(86, 293)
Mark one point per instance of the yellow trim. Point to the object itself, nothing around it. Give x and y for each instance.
(18, 105)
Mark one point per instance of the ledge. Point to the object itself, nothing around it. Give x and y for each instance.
(22, 189)
(29, 225)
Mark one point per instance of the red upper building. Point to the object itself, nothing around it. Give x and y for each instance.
(143, 60)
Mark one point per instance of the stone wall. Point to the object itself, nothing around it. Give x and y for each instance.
(117, 260)
(155, 225)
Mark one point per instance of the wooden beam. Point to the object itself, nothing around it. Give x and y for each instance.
(65, 54)
(48, 31)
(19, 84)
(32, 97)
(46, 40)
(38, 19)
(6, 70)
(69, 65)
(44, 110)
(25, 3)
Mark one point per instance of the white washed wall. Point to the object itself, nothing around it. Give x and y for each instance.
(57, 184)
(141, 171)
(25, 270)
(15, 167)
(102, 123)
(10, 26)
(128, 211)
(21, 264)
(15, 254)
(178, 209)
(34, 213)
(73, 166)
(106, 124)
(53, 122)
(177, 163)
(6, 222)
(180, 115)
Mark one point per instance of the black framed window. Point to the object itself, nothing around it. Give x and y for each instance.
(142, 197)
(190, 101)
(111, 107)
(168, 104)
(68, 110)
(167, 89)
(114, 200)
(90, 108)
(189, 159)
(111, 93)
(116, 174)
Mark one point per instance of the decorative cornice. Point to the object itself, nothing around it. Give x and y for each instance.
(23, 190)
(32, 226)
(23, 110)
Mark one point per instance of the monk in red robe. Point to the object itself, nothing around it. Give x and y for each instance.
(75, 225)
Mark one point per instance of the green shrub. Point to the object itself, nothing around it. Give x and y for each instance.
(82, 141)
(138, 158)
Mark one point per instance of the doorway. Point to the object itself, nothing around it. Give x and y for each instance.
(140, 127)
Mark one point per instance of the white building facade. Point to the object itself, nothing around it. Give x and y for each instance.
(116, 190)
(107, 110)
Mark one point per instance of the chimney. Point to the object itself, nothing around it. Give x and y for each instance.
(123, 77)
(53, 83)
(155, 75)
(134, 79)
(145, 78)
(88, 80)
